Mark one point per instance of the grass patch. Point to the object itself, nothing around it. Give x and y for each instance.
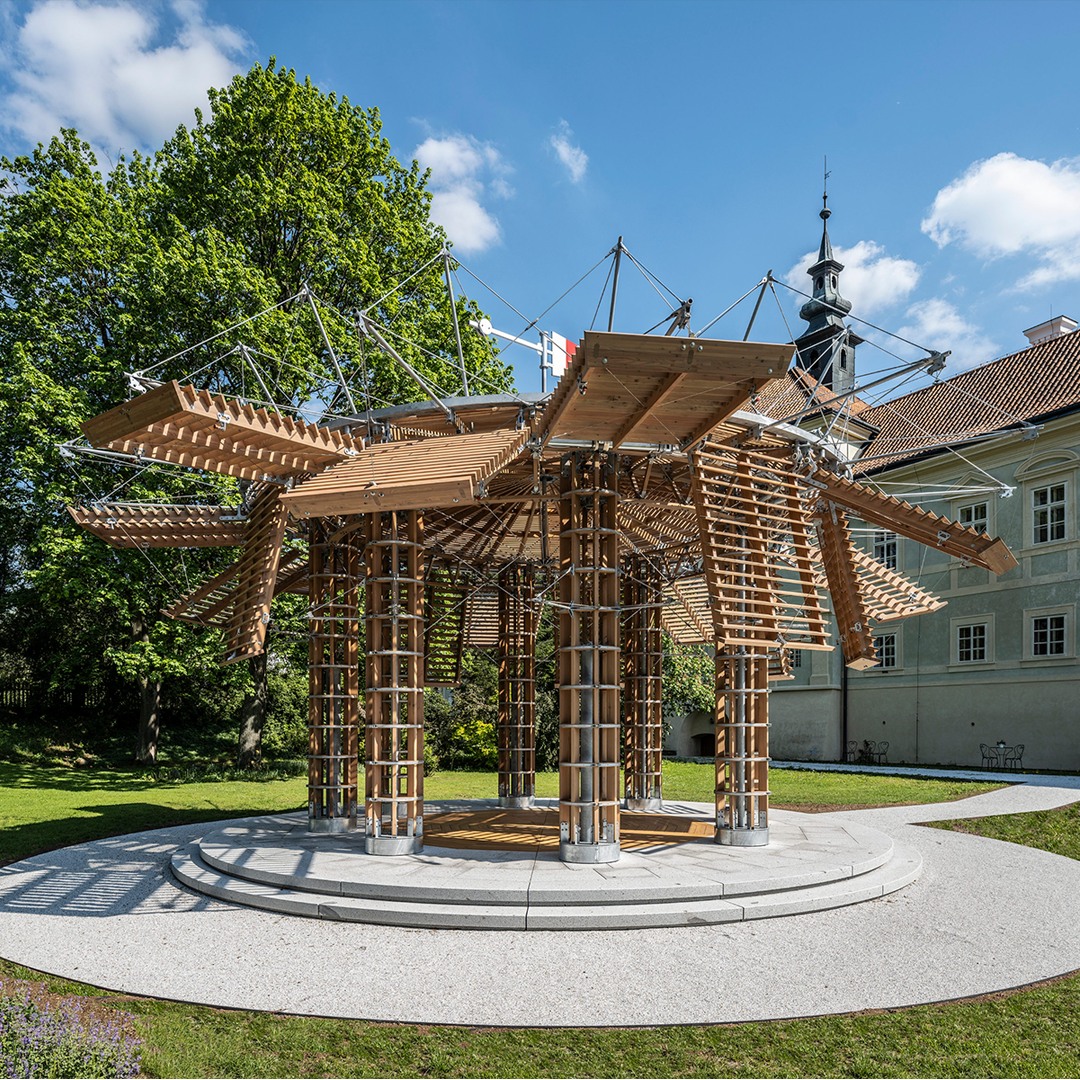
(799, 789)
(1035, 1032)
(43, 808)
(1052, 830)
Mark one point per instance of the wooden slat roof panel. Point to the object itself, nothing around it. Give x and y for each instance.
(127, 525)
(189, 426)
(623, 387)
(408, 476)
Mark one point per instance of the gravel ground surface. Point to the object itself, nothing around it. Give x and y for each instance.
(983, 916)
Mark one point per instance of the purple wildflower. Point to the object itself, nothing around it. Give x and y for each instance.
(39, 1040)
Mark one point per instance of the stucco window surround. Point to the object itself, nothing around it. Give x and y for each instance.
(1052, 629)
(888, 645)
(1049, 492)
(887, 548)
(972, 641)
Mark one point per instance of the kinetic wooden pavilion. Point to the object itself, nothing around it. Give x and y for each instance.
(646, 492)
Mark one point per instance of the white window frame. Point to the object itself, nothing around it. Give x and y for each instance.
(883, 538)
(1055, 466)
(980, 523)
(1032, 616)
(1062, 503)
(957, 622)
(896, 657)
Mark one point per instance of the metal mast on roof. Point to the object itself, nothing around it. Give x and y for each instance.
(453, 315)
(615, 284)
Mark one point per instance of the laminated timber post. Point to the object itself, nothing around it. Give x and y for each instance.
(333, 680)
(742, 745)
(394, 743)
(642, 658)
(742, 694)
(732, 494)
(588, 653)
(517, 687)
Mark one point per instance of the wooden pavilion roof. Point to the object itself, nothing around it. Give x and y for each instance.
(706, 488)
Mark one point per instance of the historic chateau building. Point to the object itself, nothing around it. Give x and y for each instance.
(993, 677)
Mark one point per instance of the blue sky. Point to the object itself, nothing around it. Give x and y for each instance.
(695, 130)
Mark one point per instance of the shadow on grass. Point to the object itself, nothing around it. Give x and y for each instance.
(58, 778)
(113, 819)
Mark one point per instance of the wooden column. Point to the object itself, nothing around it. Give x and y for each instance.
(333, 681)
(588, 671)
(517, 686)
(394, 744)
(642, 657)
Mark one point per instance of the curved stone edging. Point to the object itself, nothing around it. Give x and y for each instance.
(275, 864)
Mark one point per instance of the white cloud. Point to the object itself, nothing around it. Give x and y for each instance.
(1009, 205)
(112, 71)
(463, 170)
(573, 157)
(871, 280)
(936, 324)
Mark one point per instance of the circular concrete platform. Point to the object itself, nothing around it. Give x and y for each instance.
(492, 869)
(982, 916)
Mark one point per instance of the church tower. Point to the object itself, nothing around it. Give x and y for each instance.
(827, 349)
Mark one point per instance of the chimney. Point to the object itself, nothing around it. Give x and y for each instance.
(1058, 326)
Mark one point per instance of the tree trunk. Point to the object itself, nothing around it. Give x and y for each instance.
(149, 721)
(150, 705)
(253, 716)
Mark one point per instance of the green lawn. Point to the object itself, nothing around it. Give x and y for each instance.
(1034, 1032)
(44, 807)
(1052, 830)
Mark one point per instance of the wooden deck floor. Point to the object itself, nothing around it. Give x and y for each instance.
(538, 830)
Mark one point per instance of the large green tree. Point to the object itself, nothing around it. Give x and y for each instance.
(280, 189)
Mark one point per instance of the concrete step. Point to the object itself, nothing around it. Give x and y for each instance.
(803, 852)
(899, 870)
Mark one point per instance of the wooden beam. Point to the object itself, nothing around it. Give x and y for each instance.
(256, 576)
(668, 385)
(933, 530)
(838, 555)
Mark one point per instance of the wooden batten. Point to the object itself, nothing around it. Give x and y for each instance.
(408, 476)
(445, 597)
(754, 528)
(663, 391)
(212, 603)
(187, 426)
(256, 576)
(160, 525)
(839, 556)
(888, 595)
(933, 530)
(686, 614)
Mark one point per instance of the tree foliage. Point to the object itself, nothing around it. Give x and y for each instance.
(279, 189)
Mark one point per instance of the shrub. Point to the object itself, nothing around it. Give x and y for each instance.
(37, 1040)
(285, 733)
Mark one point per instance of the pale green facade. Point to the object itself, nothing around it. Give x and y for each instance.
(997, 664)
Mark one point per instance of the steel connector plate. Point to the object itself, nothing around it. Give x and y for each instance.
(517, 802)
(331, 824)
(743, 837)
(393, 845)
(588, 853)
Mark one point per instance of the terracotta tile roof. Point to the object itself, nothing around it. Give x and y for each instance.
(1003, 394)
(786, 397)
